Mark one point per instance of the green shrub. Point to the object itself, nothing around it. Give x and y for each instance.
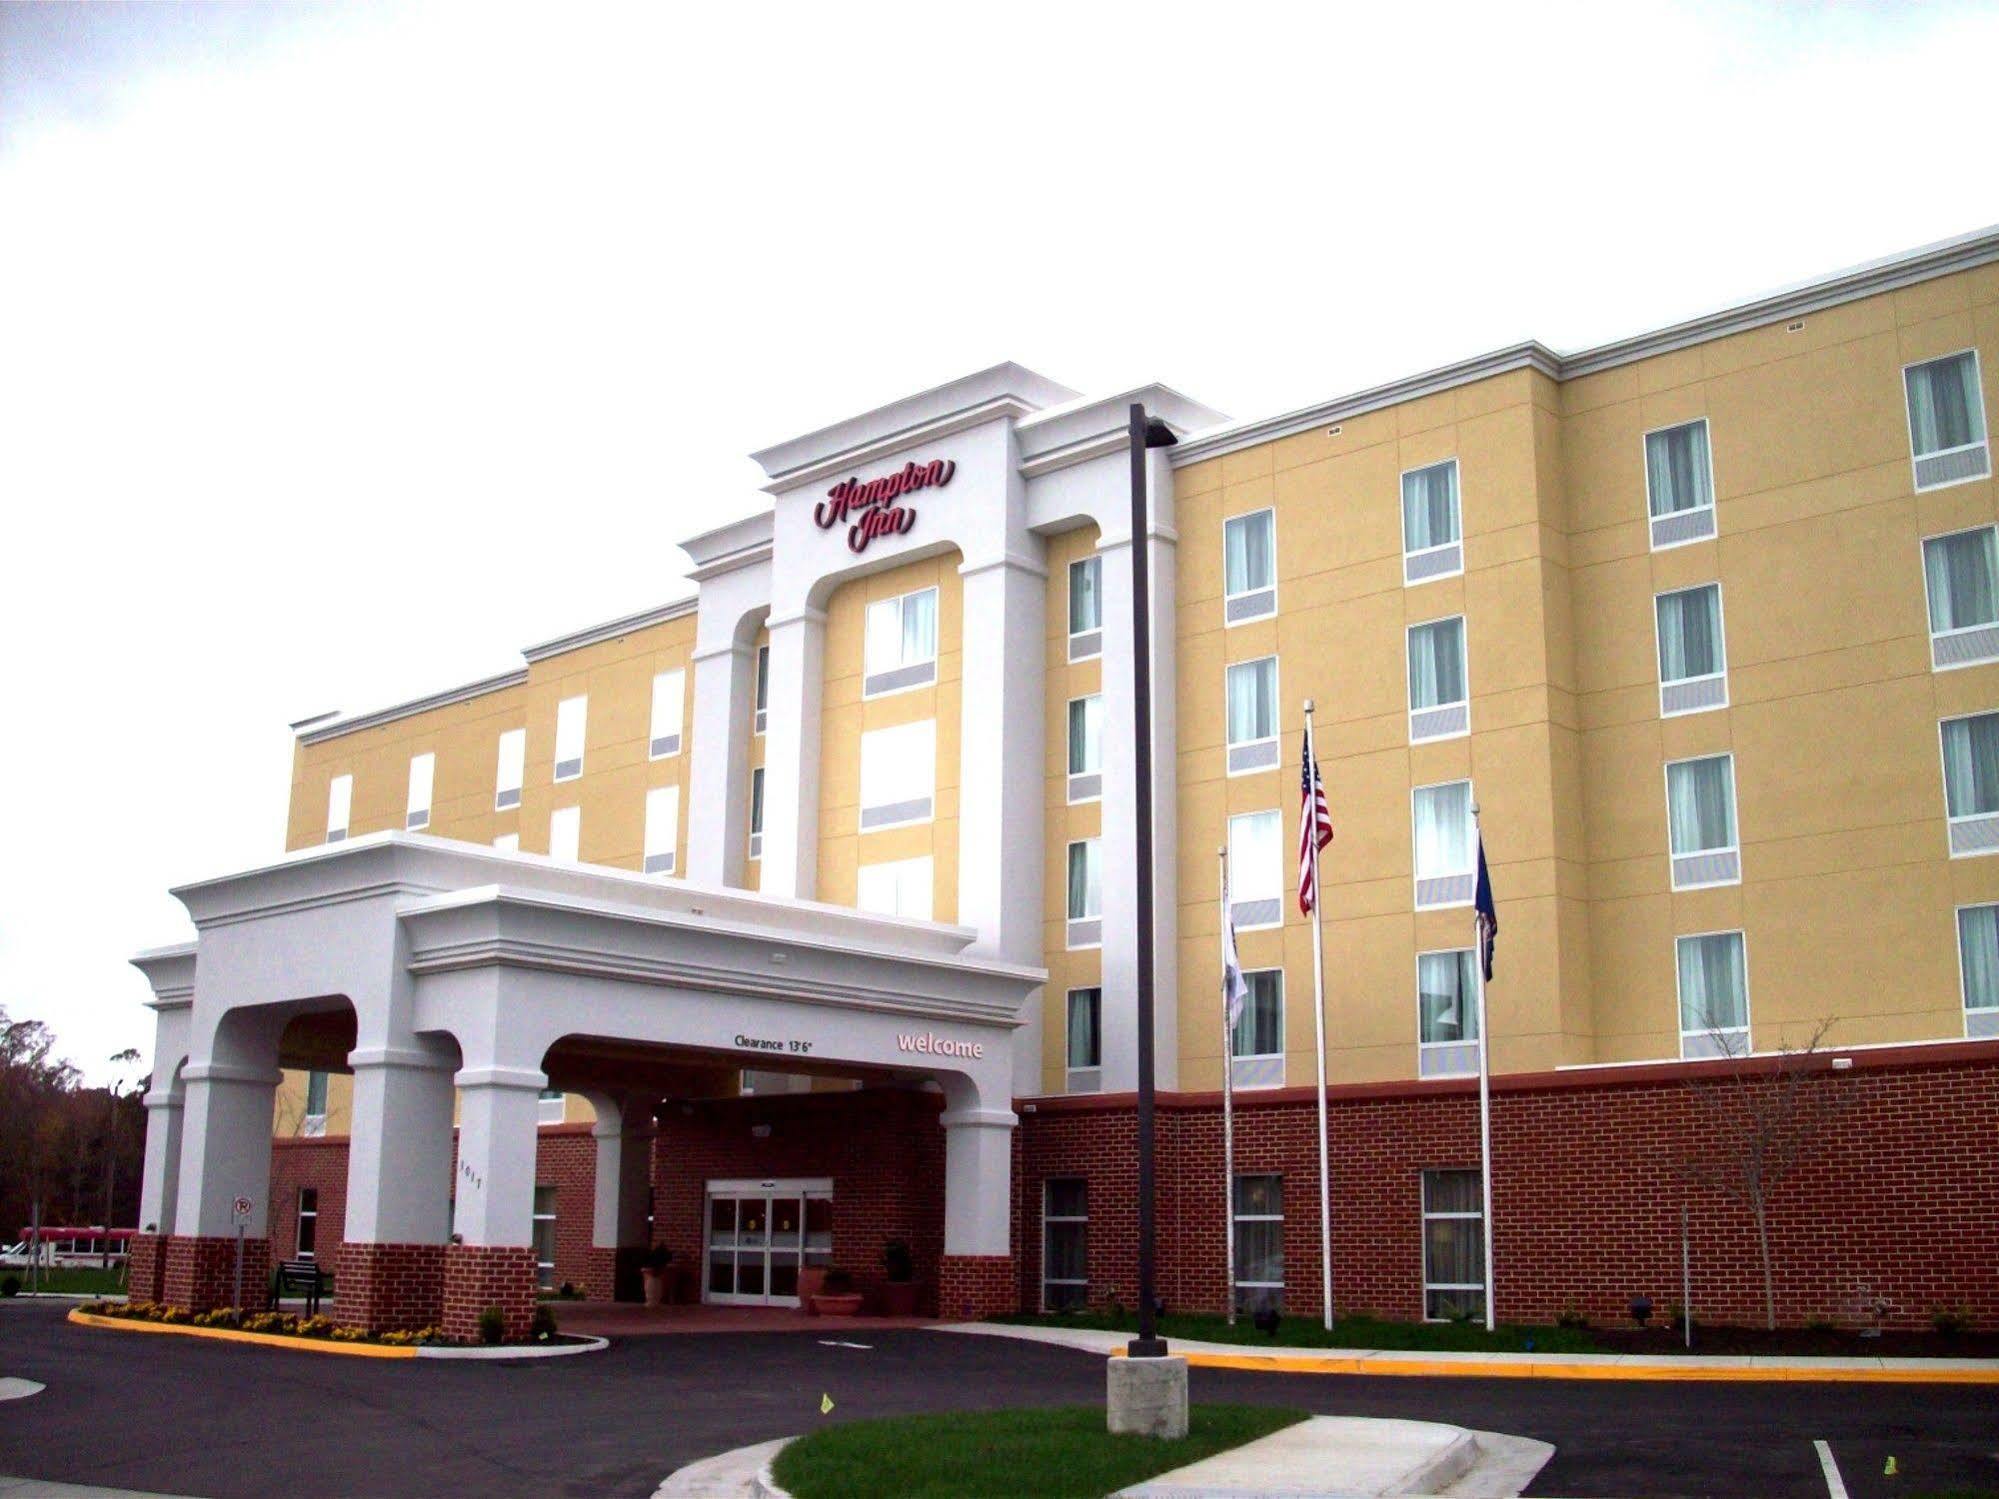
(492, 1325)
(1821, 1323)
(1571, 1316)
(1950, 1320)
(10, 1285)
(542, 1327)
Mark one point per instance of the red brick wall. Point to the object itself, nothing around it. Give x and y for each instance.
(478, 1276)
(389, 1286)
(566, 1159)
(146, 1267)
(200, 1274)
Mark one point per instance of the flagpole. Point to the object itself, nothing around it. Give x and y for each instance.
(1228, 1096)
(1484, 1097)
(1310, 810)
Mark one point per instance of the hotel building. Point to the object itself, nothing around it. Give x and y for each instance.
(796, 916)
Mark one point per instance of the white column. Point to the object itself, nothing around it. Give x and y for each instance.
(1002, 776)
(978, 1181)
(499, 1115)
(399, 1153)
(791, 755)
(624, 1172)
(225, 1148)
(160, 1186)
(718, 795)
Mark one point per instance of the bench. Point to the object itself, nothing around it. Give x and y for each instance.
(303, 1278)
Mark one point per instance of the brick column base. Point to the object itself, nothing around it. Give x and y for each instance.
(613, 1274)
(971, 1287)
(388, 1287)
(199, 1274)
(477, 1276)
(145, 1267)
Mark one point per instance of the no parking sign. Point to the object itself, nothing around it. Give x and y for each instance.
(243, 1210)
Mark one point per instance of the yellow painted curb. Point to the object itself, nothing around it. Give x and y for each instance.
(231, 1335)
(1437, 1369)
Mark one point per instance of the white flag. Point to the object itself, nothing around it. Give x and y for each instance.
(1235, 988)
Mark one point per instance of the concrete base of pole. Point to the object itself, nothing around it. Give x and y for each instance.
(1146, 1397)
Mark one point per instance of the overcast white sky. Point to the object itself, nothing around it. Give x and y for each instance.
(345, 350)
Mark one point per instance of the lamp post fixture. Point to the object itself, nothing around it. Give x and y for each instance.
(1145, 435)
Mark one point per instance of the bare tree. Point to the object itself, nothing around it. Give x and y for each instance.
(1755, 1125)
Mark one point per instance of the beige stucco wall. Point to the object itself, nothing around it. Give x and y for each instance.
(1064, 824)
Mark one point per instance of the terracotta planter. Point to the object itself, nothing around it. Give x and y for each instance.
(899, 1298)
(839, 1304)
(655, 1286)
(810, 1279)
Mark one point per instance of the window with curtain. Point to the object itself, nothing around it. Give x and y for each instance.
(1086, 880)
(513, 750)
(308, 1223)
(1086, 1022)
(1252, 700)
(315, 1095)
(1443, 829)
(1971, 765)
(1086, 734)
(763, 685)
(1690, 633)
(544, 1236)
(1700, 804)
(1258, 1213)
(1256, 858)
(901, 631)
(571, 722)
(1065, 1243)
(757, 800)
(1249, 547)
(1453, 1246)
(1446, 1001)
(1677, 475)
(1259, 1029)
(1430, 506)
(1962, 575)
(1437, 663)
(1946, 409)
(1978, 955)
(1086, 595)
(1714, 985)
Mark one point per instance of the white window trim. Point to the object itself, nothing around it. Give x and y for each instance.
(1713, 485)
(1283, 1021)
(1977, 379)
(759, 812)
(679, 736)
(760, 679)
(1744, 1031)
(862, 805)
(1236, 1217)
(1068, 583)
(1464, 644)
(1476, 999)
(1047, 1218)
(1094, 1081)
(1271, 588)
(536, 1219)
(1721, 624)
(1072, 776)
(298, 1221)
(553, 815)
(932, 660)
(412, 812)
(1428, 1216)
(500, 788)
(1277, 712)
(1402, 520)
(1943, 770)
(1966, 1009)
(672, 850)
(1228, 839)
(582, 750)
(337, 834)
(1416, 875)
(1069, 921)
(1673, 855)
(1923, 564)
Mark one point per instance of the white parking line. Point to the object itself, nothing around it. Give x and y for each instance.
(1835, 1485)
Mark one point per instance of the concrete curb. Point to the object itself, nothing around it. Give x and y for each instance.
(589, 1344)
(19, 1389)
(345, 1350)
(740, 1473)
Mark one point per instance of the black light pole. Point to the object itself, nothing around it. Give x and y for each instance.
(1144, 435)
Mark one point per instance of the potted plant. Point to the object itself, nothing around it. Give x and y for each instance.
(654, 1274)
(811, 1280)
(899, 1284)
(837, 1296)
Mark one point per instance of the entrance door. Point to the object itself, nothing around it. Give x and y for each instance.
(760, 1233)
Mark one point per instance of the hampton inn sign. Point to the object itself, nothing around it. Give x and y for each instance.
(870, 508)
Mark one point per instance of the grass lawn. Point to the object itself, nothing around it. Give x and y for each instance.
(93, 1280)
(1348, 1332)
(1064, 1451)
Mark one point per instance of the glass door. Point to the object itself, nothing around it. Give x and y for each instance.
(758, 1236)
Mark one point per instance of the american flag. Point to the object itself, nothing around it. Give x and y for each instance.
(1315, 822)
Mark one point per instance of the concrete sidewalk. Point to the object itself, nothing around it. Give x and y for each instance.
(1409, 1364)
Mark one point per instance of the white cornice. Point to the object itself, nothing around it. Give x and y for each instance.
(645, 619)
(410, 709)
(726, 549)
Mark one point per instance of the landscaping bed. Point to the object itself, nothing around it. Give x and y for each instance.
(280, 1324)
(1064, 1452)
(65, 1280)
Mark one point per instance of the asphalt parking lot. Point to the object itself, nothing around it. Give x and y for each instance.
(186, 1416)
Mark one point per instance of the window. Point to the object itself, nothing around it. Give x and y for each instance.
(1256, 869)
(565, 833)
(1256, 1044)
(1978, 968)
(1086, 608)
(1679, 484)
(1693, 668)
(1086, 1040)
(756, 812)
(901, 645)
(553, 1106)
(314, 1122)
(1065, 1243)
(763, 687)
(1453, 1247)
(1445, 869)
(1439, 701)
(1714, 996)
(1961, 576)
(898, 774)
(662, 835)
(1249, 567)
(570, 716)
(1252, 715)
(308, 1223)
(1432, 545)
(423, 774)
(1086, 748)
(1947, 421)
(512, 771)
(339, 805)
(544, 1236)
(669, 706)
(508, 843)
(1700, 822)
(1447, 1013)
(1971, 783)
(900, 888)
(1086, 894)
(1258, 1225)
